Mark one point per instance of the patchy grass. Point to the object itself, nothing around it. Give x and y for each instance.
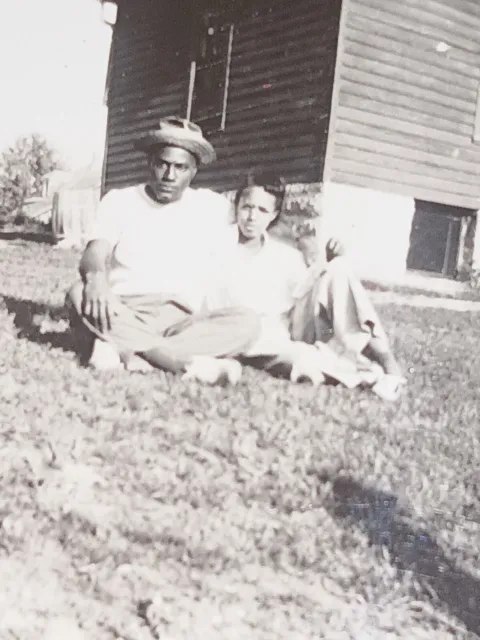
(266, 512)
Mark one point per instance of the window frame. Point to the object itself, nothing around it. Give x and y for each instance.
(225, 23)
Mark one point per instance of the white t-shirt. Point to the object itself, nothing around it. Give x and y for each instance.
(162, 248)
(264, 282)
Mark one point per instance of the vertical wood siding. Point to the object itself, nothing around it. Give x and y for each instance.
(405, 101)
(281, 79)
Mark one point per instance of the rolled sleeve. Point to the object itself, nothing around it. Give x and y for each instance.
(108, 222)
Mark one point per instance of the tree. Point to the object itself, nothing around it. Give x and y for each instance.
(22, 167)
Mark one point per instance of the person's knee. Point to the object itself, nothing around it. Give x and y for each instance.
(339, 271)
(73, 298)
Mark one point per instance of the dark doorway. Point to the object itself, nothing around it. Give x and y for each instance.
(435, 238)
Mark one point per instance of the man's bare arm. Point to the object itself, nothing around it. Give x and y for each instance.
(95, 258)
(93, 270)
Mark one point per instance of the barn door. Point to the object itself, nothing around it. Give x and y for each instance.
(435, 239)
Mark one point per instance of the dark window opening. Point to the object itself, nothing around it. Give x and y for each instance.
(435, 238)
(210, 72)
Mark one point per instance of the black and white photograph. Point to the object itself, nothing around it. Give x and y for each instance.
(240, 320)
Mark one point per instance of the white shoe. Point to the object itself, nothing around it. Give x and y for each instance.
(389, 387)
(104, 357)
(137, 364)
(307, 367)
(213, 370)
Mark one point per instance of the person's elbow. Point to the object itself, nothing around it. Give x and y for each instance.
(95, 256)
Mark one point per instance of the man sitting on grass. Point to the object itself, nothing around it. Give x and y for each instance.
(143, 271)
(300, 304)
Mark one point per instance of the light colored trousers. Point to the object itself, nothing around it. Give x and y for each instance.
(145, 322)
(332, 306)
(334, 314)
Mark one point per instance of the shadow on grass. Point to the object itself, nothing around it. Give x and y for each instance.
(30, 318)
(377, 514)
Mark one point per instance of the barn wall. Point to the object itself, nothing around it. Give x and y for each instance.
(405, 99)
(150, 54)
(283, 62)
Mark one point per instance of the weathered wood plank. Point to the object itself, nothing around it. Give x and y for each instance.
(280, 23)
(386, 48)
(405, 112)
(458, 11)
(353, 80)
(249, 107)
(240, 149)
(427, 13)
(288, 70)
(367, 56)
(133, 102)
(420, 192)
(252, 60)
(149, 52)
(416, 21)
(361, 24)
(282, 127)
(351, 93)
(278, 103)
(240, 166)
(398, 162)
(377, 170)
(389, 143)
(407, 116)
(394, 124)
(409, 75)
(130, 114)
(304, 23)
(469, 7)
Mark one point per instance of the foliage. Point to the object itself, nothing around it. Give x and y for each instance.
(269, 511)
(475, 279)
(22, 167)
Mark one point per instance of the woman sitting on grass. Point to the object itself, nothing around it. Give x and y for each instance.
(317, 320)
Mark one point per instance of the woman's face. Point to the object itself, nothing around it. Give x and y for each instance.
(256, 210)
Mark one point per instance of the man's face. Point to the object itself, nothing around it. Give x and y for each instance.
(172, 170)
(255, 211)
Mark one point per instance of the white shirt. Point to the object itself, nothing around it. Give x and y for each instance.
(265, 282)
(162, 248)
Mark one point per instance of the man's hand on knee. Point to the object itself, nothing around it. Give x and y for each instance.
(96, 300)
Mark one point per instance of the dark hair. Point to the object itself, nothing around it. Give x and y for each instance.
(270, 183)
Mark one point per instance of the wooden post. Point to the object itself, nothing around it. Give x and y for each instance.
(335, 91)
(191, 87)
(227, 78)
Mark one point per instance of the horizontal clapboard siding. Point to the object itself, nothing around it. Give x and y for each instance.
(282, 70)
(148, 60)
(279, 99)
(404, 112)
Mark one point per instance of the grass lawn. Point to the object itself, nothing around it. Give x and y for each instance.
(141, 507)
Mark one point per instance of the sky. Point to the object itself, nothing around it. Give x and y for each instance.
(53, 64)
